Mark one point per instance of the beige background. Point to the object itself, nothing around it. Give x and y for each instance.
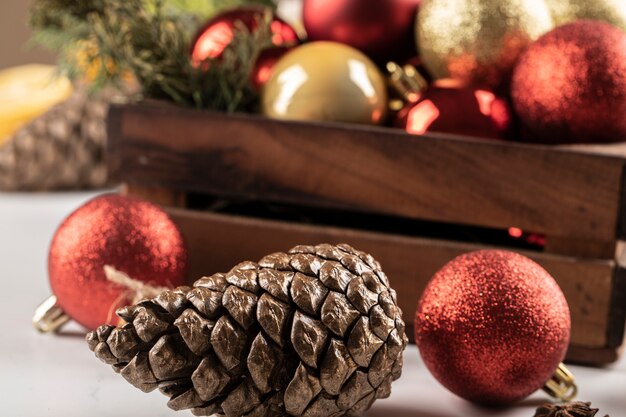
(14, 35)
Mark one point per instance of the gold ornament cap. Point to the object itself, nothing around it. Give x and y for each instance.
(562, 385)
(406, 81)
(49, 317)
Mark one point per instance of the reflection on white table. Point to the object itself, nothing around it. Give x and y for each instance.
(43, 375)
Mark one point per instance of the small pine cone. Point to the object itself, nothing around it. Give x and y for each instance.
(573, 409)
(313, 332)
(60, 150)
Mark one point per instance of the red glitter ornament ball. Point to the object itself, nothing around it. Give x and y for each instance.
(133, 236)
(448, 107)
(492, 326)
(382, 29)
(218, 33)
(570, 85)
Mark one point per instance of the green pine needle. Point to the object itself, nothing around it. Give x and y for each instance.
(150, 39)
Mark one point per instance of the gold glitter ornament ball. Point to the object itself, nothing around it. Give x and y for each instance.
(325, 81)
(478, 41)
(609, 11)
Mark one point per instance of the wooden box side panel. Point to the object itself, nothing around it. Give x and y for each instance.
(557, 192)
(219, 242)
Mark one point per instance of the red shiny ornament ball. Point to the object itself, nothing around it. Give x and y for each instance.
(264, 65)
(570, 85)
(492, 326)
(448, 107)
(132, 235)
(218, 33)
(382, 29)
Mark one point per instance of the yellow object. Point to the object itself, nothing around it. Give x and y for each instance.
(478, 41)
(325, 81)
(27, 92)
(610, 11)
(86, 56)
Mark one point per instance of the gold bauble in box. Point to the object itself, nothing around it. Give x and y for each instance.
(478, 41)
(610, 11)
(325, 81)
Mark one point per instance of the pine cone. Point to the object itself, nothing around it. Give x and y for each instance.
(315, 332)
(62, 149)
(573, 409)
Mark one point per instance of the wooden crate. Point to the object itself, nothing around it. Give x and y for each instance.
(410, 201)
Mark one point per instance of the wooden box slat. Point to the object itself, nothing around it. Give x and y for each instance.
(221, 241)
(573, 195)
(560, 192)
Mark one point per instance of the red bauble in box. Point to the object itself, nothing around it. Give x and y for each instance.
(264, 65)
(219, 32)
(382, 29)
(570, 85)
(446, 106)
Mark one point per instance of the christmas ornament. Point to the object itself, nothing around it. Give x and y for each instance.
(312, 332)
(325, 81)
(382, 29)
(446, 106)
(492, 327)
(264, 65)
(609, 11)
(417, 63)
(62, 149)
(476, 41)
(219, 32)
(130, 235)
(574, 409)
(570, 85)
(26, 92)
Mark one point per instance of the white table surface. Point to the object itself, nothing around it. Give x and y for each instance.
(44, 375)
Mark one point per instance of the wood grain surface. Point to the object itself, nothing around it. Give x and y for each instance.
(560, 192)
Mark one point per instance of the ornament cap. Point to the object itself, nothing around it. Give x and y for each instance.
(407, 81)
(562, 385)
(49, 317)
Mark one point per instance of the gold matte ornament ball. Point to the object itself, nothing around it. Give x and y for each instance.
(609, 11)
(325, 81)
(478, 41)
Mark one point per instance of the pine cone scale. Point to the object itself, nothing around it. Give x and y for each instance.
(263, 363)
(337, 367)
(229, 343)
(139, 374)
(308, 337)
(302, 389)
(313, 332)
(210, 378)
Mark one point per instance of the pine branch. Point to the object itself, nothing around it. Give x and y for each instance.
(150, 39)
(206, 8)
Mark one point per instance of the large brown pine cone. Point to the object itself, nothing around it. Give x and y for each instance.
(60, 150)
(313, 332)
